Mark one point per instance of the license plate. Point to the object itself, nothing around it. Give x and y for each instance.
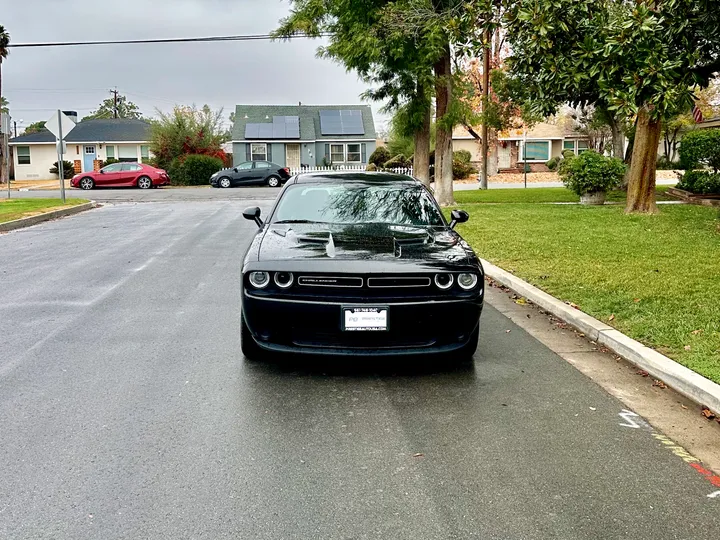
(365, 319)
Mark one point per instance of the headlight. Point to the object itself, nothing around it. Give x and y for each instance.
(444, 281)
(467, 281)
(283, 279)
(259, 280)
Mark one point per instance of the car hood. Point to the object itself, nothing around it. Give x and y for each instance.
(362, 242)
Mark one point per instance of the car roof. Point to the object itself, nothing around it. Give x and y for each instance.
(355, 177)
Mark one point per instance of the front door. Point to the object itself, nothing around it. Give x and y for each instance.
(89, 157)
(504, 156)
(292, 156)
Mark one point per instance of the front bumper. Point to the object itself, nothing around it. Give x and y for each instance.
(313, 327)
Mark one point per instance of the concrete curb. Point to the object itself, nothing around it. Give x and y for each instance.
(690, 384)
(34, 220)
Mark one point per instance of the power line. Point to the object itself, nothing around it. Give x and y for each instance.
(209, 39)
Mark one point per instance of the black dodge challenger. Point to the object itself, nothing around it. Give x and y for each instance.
(359, 263)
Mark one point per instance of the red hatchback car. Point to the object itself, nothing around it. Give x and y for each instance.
(122, 175)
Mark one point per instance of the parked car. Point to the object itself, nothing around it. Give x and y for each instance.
(122, 175)
(251, 173)
(359, 263)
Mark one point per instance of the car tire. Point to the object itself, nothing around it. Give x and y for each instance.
(250, 349)
(224, 182)
(466, 353)
(86, 183)
(144, 182)
(273, 181)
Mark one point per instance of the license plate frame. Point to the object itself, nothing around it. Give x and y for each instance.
(380, 313)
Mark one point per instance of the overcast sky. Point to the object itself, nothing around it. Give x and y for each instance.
(39, 81)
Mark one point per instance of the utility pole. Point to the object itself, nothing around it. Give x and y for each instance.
(115, 106)
(484, 147)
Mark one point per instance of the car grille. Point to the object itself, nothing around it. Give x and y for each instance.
(391, 282)
(330, 281)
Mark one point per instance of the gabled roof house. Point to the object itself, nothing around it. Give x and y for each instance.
(89, 144)
(298, 136)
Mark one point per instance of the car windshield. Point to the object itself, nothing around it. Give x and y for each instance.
(394, 204)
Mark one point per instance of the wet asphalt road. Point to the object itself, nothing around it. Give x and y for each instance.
(127, 411)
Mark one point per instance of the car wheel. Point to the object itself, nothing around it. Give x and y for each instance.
(87, 183)
(273, 181)
(144, 182)
(465, 354)
(250, 349)
(224, 182)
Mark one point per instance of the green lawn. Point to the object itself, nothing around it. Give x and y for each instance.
(11, 209)
(658, 275)
(538, 195)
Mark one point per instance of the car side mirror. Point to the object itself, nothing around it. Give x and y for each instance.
(253, 214)
(101, 171)
(458, 216)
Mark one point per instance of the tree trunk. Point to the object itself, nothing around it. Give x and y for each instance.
(421, 159)
(443, 137)
(641, 178)
(618, 139)
(484, 148)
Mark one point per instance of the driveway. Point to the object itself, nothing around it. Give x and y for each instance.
(127, 411)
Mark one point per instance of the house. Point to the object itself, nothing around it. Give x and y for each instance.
(300, 136)
(543, 141)
(89, 144)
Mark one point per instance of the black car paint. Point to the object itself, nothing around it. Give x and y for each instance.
(308, 319)
(254, 176)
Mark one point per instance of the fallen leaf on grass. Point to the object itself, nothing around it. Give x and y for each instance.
(573, 305)
(659, 384)
(612, 317)
(707, 413)
(696, 332)
(636, 300)
(643, 373)
(687, 347)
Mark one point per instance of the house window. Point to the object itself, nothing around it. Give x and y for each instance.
(582, 146)
(353, 153)
(144, 151)
(110, 152)
(127, 153)
(258, 152)
(569, 145)
(337, 153)
(537, 151)
(23, 155)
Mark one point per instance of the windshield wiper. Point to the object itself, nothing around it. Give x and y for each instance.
(296, 221)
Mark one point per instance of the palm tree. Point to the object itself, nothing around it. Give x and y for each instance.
(4, 44)
(4, 104)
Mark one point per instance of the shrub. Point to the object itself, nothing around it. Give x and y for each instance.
(380, 156)
(110, 161)
(194, 170)
(462, 169)
(591, 172)
(553, 163)
(397, 162)
(68, 169)
(464, 156)
(700, 148)
(371, 167)
(664, 164)
(567, 154)
(701, 182)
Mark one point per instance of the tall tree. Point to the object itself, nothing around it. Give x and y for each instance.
(641, 57)
(4, 105)
(363, 38)
(116, 106)
(35, 127)
(4, 50)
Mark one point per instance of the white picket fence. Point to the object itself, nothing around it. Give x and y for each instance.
(407, 171)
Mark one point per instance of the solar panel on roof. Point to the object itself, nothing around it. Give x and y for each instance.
(341, 122)
(252, 131)
(266, 131)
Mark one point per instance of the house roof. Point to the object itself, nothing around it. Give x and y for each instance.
(95, 131)
(309, 116)
(541, 130)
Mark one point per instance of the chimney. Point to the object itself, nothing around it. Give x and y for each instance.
(72, 115)
(299, 103)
